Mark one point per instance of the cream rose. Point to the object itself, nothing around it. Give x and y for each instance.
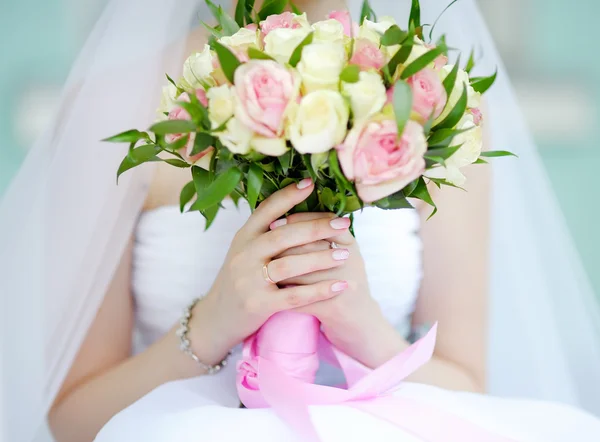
(284, 20)
(281, 42)
(220, 104)
(241, 40)
(321, 66)
(319, 122)
(380, 26)
(236, 137)
(471, 143)
(167, 101)
(328, 30)
(462, 79)
(272, 147)
(198, 68)
(367, 96)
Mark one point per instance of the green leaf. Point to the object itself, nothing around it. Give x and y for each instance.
(367, 12)
(186, 195)
(228, 24)
(176, 145)
(287, 181)
(442, 153)
(482, 84)
(202, 142)
(444, 136)
(271, 7)
(415, 14)
(137, 156)
(441, 182)
(328, 199)
(402, 102)
(497, 153)
(471, 63)
(318, 160)
(393, 202)
(438, 18)
(285, 161)
(455, 114)
(393, 36)
(450, 80)
(422, 62)
(240, 13)
(350, 74)
(353, 204)
(255, 182)
(177, 163)
(294, 8)
(229, 62)
(255, 54)
(129, 136)
(421, 192)
(403, 53)
(222, 186)
(334, 167)
(297, 54)
(215, 32)
(481, 161)
(410, 187)
(173, 127)
(308, 166)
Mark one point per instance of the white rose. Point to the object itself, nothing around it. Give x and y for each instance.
(272, 147)
(328, 30)
(380, 26)
(364, 32)
(281, 42)
(167, 101)
(241, 40)
(319, 122)
(220, 104)
(198, 68)
(321, 66)
(471, 143)
(462, 79)
(367, 96)
(236, 137)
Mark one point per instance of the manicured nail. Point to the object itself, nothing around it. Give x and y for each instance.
(341, 254)
(306, 182)
(340, 223)
(339, 286)
(278, 223)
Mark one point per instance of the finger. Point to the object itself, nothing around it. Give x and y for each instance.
(277, 241)
(316, 246)
(294, 297)
(292, 266)
(345, 238)
(277, 205)
(314, 277)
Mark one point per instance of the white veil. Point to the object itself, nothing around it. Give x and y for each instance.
(64, 222)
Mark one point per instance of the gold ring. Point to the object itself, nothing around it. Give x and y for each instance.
(333, 245)
(266, 274)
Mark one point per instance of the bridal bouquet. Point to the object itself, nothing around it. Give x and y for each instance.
(371, 111)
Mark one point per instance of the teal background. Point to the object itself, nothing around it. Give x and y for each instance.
(40, 38)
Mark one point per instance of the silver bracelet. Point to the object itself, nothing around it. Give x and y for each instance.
(185, 344)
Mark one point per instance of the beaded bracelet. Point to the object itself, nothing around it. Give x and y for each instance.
(185, 344)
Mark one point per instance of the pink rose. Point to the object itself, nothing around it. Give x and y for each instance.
(378, 162)
(367, 55)
(264, 89)
(252, 26)
(275, 21)
(477, 115)
(439, 62)
(350, 28)
(178, 113)
(429, 95)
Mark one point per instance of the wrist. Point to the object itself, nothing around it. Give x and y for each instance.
(208, 340)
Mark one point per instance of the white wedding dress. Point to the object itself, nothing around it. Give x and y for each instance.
(175, 260)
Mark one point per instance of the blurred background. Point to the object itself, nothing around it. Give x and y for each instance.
(547, 45)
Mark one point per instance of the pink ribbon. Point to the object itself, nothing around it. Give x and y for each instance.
(278, 368)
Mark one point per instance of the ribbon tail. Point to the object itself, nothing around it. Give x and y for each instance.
(425, 421)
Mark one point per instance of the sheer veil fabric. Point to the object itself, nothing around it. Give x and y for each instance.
(64, 222)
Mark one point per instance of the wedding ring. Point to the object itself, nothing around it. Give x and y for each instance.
(266, 274)
(333, 245)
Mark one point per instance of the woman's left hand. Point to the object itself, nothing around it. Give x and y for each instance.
(353, 321)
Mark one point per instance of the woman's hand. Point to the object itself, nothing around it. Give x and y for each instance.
(354, 322)
(241, 299)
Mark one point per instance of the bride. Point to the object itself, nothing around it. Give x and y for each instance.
(109, 270)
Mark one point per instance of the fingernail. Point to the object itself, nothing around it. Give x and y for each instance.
(306, 182)
(339, 286)
(278, 223)
(341, 254)
(340, 223)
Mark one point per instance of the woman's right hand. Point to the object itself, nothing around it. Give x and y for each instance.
(241, 300)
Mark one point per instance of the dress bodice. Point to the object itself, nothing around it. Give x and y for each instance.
(176, 260)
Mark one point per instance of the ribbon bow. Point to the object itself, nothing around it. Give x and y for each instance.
(278, 367)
